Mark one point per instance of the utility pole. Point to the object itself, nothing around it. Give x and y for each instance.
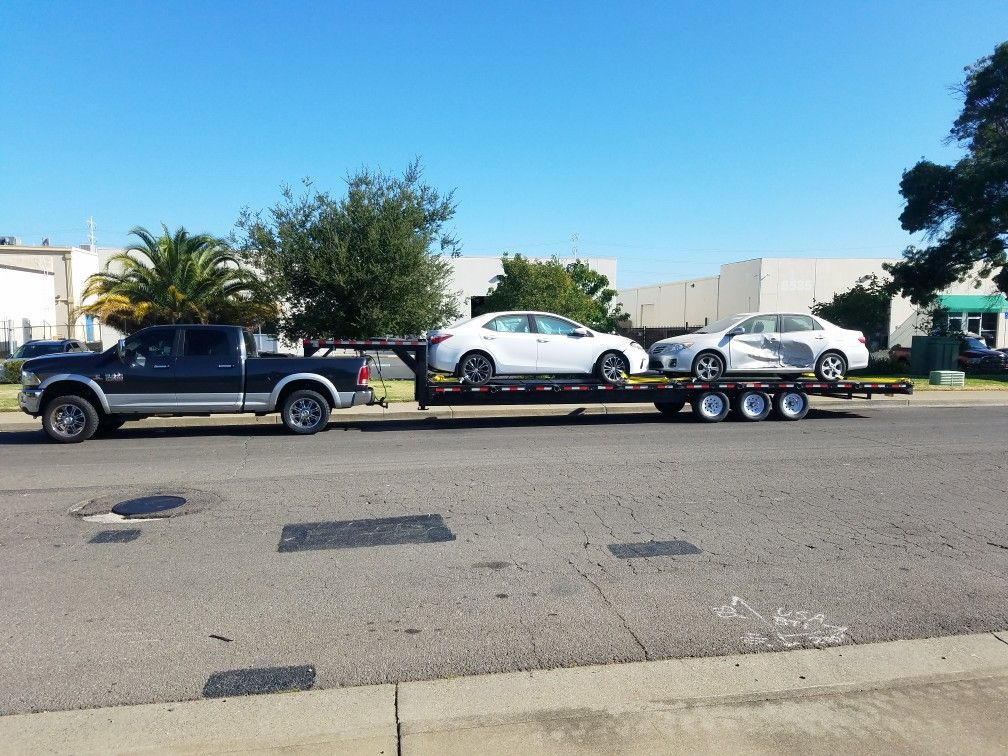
(91, 235)
(574, 245)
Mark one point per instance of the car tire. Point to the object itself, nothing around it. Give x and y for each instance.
(475, 368)
(669, 408)
(69, 419)
(711, 407)
(305, 412)
(831, 366)
(752, 406)
(790, 405)
(708, 366)
(612, 368)
(109, 424)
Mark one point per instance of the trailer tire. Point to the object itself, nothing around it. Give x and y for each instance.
(710, 407)
(305, 412)
(475, 368)
(69, 419)
(752, 406)
(791, 405)
(669, 408)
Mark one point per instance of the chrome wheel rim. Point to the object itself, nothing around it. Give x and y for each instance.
(68, 420)
(477, 369)
(712, 405)
(708, 367)
(612, 368)
(305, 413)
(832, 368)
(754, 405)
(792, 404)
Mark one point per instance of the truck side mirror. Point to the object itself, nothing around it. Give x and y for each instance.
(121, 350)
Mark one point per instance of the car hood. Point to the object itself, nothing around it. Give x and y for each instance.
(974, 353)
(70, 362)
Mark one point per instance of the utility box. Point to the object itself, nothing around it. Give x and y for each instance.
(947, 378)
(929, 353)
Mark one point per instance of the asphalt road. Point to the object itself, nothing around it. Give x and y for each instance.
(857, 527)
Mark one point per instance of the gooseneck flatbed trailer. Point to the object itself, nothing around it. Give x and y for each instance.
(748, 398)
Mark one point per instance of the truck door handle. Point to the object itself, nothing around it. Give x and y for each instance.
(159, 367)
(225, 366)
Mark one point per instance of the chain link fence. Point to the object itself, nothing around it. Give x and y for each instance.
(13, 334)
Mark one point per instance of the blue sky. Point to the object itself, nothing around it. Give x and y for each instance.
(673, 136)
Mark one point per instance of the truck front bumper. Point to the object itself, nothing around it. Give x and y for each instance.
(29, 400)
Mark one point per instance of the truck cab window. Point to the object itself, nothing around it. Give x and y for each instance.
(143, 347)
(206, 342)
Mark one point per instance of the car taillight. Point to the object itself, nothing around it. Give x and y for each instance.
(439, 338)
(362, 375)
(862, 339)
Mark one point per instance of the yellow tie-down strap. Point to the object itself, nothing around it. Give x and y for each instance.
(645, 379)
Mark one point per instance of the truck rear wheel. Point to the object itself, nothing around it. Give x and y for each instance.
(710, 407)
(69, 419)
(791, 405)
(305, 412)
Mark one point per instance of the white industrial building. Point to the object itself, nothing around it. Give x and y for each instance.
(795, 284)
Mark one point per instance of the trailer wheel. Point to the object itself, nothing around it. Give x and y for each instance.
(669, 408)
(752, 406)
(791, 405)
(305, 412)
(710, 407)
(69, 419)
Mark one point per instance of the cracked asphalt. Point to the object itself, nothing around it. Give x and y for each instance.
(849, 527)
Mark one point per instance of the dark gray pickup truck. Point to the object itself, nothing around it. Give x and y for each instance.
(185, 370)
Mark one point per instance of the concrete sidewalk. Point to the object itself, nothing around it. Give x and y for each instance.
(401, 411)
(941, 695)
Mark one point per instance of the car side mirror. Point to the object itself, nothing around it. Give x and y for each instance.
(121, 350)
(736, 331)
(580, 332)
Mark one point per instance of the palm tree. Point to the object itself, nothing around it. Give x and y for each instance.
(176, 278)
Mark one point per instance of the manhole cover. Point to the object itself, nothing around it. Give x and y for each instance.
(146, 505)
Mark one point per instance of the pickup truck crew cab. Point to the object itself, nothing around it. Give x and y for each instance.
(185, 370)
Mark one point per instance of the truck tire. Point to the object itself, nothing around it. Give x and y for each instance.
(790, 405)
(669, 408)
(69, 419)
(752, 406)
(710, 407)
(305, 412)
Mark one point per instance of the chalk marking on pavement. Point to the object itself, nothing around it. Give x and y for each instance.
(786, 629)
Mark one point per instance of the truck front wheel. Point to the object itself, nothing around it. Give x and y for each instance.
(69, 419)
(305, 412)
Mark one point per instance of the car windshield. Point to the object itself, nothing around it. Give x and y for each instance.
(721, 325)
(973, 343)
(27, 351)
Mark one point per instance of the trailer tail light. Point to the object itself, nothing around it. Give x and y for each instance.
(362, 375)
(439, 338)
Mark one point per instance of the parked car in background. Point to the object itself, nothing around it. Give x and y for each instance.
(974, 356)
(763, 342)
(531, 343)
(40, 347)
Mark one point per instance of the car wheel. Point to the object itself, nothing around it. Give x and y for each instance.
(708, 366)
(475, 368)
(791, 405)
(612, 368)
(69, 419)
(110, 424)
(752, 406)
(710, 407)
(305, 412)
(670, 408)
(831, 367)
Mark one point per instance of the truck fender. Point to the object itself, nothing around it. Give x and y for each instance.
(275, 394)
(75, 378)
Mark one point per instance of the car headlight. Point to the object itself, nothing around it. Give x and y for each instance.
(678, 347)
(29, 378)
(635, 345)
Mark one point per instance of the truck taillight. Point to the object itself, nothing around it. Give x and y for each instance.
(439, 338)
(362, 375)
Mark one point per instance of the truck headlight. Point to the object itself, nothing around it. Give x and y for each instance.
(29, 378)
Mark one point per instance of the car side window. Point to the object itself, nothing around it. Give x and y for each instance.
(794, 323)
(140, 349)
(760, 324)
(207, 342)
(509, 324)
(553, 326)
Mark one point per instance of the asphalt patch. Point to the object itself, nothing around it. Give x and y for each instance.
(115, 536)
(653, 549)
(347, 534)
(250, 682)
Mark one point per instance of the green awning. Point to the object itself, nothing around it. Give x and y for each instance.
(973, 302)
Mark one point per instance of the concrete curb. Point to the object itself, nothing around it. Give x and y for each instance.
(935, 695)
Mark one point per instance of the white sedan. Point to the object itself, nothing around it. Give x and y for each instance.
(531, 343)
(750, 343)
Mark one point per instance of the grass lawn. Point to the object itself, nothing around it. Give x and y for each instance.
(8, 396)
(393, 390)
(978, 383)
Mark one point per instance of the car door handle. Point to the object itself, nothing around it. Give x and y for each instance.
(820, 338)
(489, 338)
(542, 341)
(160, 367)
(225, 366)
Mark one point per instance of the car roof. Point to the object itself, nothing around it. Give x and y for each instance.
(48, 341)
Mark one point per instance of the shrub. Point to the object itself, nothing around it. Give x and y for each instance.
(11, 371)
(885, 365)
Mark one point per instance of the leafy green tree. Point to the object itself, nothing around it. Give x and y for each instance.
(371, 263)
(864, 307)
(176, 278)
(962, 208)
(573, 290)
